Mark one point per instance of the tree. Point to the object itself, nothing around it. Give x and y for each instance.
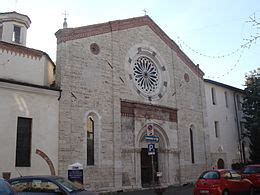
(255, 35)
(251, 109)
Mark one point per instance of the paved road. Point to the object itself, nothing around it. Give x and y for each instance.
(184, 190)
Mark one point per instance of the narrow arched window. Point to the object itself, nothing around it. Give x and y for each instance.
(213, 96)
(191, 146)
(90, 141)
(226, 99)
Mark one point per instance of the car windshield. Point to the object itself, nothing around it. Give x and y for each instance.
(4, 189)
(68, 185)
(251, 169)
(235, 175)
(210, 175)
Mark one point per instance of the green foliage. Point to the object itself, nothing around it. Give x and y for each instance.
(237, 166)
(251, 109)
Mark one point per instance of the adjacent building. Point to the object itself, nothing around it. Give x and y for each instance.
(224, 124)
(29, 103)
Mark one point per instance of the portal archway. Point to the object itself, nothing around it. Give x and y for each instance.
(151, 164)
(221, 164)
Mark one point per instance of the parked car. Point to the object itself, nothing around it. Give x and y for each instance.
(252, 172)
(5, 188)
(222, 182)
(47, 185)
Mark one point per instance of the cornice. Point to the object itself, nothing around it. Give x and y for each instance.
(68, 34)
(23, 51)
(26, 87)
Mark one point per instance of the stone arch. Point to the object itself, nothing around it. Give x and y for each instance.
(163, 151)
(196, 133)
(97, 129)
(47, 159)
(158, 130)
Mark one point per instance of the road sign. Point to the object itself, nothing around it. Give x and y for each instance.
(151, 149)
(152, 138)
(149, 130)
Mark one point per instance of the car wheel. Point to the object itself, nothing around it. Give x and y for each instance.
(225, 192)
(252, 191)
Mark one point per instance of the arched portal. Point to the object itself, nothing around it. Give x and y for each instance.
(221, 164)
(151, 164)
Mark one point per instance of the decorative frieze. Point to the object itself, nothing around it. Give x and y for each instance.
(21, 50)
(141, 110)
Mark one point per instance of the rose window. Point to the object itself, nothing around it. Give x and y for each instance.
(145, 74)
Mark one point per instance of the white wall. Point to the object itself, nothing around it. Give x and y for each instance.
(228, 130)
(19, 67)
(43, 107)
(8, 28)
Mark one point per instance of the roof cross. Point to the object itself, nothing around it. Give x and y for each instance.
(65, 14)
(65, 25)
(145, 11)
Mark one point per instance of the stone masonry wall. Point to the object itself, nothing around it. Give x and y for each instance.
(98, 83)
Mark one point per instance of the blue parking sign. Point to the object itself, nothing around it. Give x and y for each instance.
(151, 149)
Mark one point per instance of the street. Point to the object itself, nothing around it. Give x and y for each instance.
(183, 190)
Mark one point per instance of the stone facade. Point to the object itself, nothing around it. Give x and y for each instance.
(101, 81)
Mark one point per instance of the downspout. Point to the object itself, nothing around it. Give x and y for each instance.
(59, 95)
(238, 130)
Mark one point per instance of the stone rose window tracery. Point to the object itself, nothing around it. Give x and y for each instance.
(145, 74)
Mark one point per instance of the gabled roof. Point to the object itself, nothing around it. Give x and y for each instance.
(22, 50)
(68, 34)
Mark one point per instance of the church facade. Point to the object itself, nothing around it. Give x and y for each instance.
(121, 81)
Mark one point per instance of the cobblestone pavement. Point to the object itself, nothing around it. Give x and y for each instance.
(181, 190)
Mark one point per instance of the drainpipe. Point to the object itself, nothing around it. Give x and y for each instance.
(238, 130)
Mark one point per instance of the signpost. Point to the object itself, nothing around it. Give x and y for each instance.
(151, 149)
(151, 139)
(149, 130)
(75, 173)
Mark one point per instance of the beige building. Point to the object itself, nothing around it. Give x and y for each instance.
(29, 106)
(119, 79)
(224, 124)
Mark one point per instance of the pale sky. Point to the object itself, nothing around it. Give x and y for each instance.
(204, 29)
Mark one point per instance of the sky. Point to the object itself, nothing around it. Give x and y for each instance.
(210, 32)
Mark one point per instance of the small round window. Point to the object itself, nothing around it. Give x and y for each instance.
(94, 48)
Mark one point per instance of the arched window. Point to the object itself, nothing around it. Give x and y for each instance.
(90, 141)
(226, 99)
(213, 96)
(191, 146)
(221, 164)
